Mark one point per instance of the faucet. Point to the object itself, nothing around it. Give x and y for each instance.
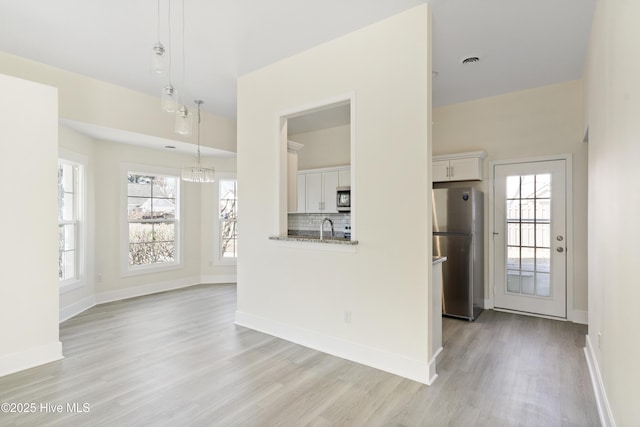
(322, 228)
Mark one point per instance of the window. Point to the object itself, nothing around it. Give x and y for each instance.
(152, 220)
(71, 219)
(228, 218)
(68, 173)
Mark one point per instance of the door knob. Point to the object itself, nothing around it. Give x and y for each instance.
(560, 249)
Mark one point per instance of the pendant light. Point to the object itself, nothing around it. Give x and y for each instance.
(184, 120)
(158, 57)
(169, 96)
(198, 173)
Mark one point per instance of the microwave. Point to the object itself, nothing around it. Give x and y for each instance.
(343, 199)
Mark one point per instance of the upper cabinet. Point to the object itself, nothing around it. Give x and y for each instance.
(459, 167)
(317, 189)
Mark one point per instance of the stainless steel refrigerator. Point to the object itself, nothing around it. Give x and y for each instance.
(457, 234)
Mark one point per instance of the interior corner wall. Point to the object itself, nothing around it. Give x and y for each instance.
(96, 102)
(302, 294)
(29, 253)
(612, 89)
(537, 122)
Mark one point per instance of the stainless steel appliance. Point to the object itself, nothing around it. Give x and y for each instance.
(458, 234)
(343, 199)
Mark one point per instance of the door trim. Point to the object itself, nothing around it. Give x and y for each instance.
(568, 158)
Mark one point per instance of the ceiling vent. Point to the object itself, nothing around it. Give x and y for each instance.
(470, 60)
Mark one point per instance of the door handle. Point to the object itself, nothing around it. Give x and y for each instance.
(560, 249)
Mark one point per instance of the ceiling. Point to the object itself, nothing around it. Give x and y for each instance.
(521, 44)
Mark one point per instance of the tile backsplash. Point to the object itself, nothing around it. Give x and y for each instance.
(311, 222)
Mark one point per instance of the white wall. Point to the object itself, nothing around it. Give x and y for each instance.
(29, 273)
(536, 122)
(613, 110)
(300, 293)
(324, 148)
(96, 102)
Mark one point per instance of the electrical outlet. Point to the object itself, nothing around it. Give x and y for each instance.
(347, 317)
(99, 278)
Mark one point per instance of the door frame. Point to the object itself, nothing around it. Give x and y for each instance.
(568, 158)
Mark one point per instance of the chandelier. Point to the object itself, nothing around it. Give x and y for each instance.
(197, 172)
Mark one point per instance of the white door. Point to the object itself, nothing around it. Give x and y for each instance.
(530, 237)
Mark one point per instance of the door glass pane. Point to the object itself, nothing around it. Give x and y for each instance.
(528, 234)
(543, 284)
(513, 234)
(513, 187)
(543, 260)
(513, 210)
(513, 281)
(528, 208)
(527, 190)
(513, 258)
(528, 285)
(543, 235)
(528, 258)
(543, 186)
(543, 209)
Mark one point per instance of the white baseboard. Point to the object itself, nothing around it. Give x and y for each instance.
(432, 366)
(604, 409)
(219, 279)
(141, 290)
(393, 363)
(74, 309)
(580, 316)
(26, 359)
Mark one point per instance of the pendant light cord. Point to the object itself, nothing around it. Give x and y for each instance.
(184, 61)
(199, 102)
(169, 44)
(158, 21)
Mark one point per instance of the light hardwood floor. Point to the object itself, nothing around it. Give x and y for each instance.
(176, 359)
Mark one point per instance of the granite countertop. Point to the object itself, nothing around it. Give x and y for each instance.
(315, 238)
(438, 259)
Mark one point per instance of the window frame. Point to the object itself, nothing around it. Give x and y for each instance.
(219, 259)
(80, 218)
(134, 270)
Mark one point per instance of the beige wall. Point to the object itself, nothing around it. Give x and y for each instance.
(96, 102)
(324, 148)
(537, 122)
(613, 112)
(29, 251)
(302, 293)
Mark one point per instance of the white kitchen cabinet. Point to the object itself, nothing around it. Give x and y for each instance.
(344, 177)
(302, 193)
(458, 167)
(321, 192)
(317, 189)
